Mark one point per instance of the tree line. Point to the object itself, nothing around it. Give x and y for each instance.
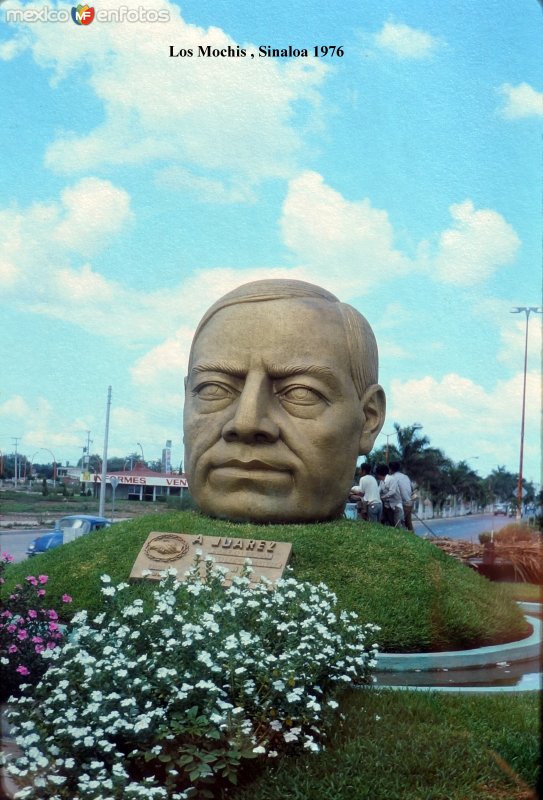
(439, 477)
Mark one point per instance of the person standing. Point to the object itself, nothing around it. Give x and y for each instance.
(406, 493)
(390, 495)
(370, 493)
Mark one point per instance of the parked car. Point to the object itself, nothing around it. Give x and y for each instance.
(66, 530)
(500, 508)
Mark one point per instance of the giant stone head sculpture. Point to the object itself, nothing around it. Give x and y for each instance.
(281, 399)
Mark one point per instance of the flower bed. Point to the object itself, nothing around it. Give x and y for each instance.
(27, 630)
(165, 699)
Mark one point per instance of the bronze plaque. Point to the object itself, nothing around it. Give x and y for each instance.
(164, 550)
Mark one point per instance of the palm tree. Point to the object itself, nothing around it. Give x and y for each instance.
(414, 453)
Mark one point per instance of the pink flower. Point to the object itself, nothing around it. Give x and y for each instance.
(52, 614)
(39, 648)
(13, 648)
(32, 614)
(41, 592)
(11, 628)
(66, 598)
(51, 645)
(43, 578)
(31, 579)
(53, 626)
(7, 558)
(6, 614)
(22, 670)
(22, 634)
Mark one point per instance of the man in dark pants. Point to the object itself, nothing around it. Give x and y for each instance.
(406, 493)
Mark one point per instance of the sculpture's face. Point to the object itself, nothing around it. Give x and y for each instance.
(273, 423)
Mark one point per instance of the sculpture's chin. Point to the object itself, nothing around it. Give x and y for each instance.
(269, 513)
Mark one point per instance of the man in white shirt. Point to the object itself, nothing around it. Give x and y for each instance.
(406, 493)
(391, 497)
(370, 493)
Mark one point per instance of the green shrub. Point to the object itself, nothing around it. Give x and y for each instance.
(28, 629)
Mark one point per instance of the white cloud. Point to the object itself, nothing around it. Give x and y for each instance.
(513, 340)
(93, 210)
(45, 428)
(406, 42)
(521, 101)
(168, 358)
(228, 116)
(510, 331)
(480, 242)
(205, 190)
(458, 413)
(12, 48)
(348, 246)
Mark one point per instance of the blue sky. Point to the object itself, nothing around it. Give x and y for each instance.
(137, 188)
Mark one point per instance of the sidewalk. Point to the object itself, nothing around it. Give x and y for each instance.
(24, 520)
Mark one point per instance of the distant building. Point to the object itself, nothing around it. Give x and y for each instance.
(68, 475)
(139, 483)
(167, 457)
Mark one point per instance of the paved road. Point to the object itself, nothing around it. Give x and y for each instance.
(467, 528)
(16, 541)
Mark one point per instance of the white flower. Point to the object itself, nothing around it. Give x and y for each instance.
(259, 749)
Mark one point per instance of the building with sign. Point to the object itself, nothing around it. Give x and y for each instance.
(139, 483)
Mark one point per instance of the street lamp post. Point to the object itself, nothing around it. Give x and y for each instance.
(388, 435)
(54, 463)
(527, 310)
(142, 456)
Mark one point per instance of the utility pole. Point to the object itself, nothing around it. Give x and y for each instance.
(527, 311)
(104, 458)
(86, 461)
(16, 461)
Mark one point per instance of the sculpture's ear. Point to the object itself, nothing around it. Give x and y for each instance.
(373, 405)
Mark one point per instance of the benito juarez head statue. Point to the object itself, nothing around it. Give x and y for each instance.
(281, 399)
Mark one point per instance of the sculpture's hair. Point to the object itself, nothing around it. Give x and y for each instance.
(359, 336)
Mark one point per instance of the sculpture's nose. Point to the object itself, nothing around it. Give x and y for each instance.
(251, 422)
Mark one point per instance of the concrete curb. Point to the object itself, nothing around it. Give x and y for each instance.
(535, 609)
(522, 650)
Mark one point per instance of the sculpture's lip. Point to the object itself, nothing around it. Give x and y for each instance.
(252, 465)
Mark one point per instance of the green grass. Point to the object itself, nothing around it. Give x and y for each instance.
(24, 502)
(425, 746)
(526, 592)
(422, 599)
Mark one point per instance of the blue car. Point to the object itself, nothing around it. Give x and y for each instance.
(66, 530)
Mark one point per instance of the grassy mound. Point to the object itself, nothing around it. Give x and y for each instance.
(422, 599)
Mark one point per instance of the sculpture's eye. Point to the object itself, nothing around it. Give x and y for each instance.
(212, 391)
(301, 396)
